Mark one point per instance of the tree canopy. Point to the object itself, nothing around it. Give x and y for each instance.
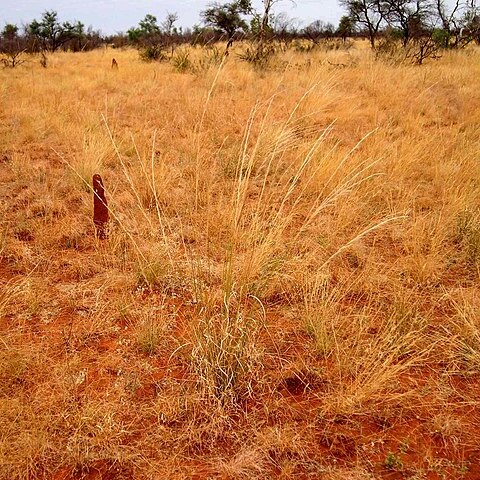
(51, 34)
(228, 17)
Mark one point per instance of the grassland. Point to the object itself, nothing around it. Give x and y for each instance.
(290, 287)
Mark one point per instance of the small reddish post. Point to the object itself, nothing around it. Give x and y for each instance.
(100, 208)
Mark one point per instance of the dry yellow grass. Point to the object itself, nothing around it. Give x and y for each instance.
(290, 284)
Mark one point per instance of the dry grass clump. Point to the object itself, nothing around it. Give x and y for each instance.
(289, 288)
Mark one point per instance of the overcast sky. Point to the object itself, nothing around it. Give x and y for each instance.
(111, 16)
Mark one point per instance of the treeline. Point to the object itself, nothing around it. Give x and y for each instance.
(450, 25)
(428, 25)
(49, 35)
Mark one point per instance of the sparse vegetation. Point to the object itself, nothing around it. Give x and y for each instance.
(393, 462)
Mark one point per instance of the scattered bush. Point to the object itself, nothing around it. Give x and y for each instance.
(181, 61)
(212, 58)
(258, 59)
(416, 51)
(154, 53)
(304, 46)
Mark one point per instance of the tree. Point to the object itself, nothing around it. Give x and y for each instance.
(284, 28)
(318, 30)
(284, 25)
(146, 28)
(228, 17)
(10, 31)
(51, 34)
(12, 47)
(346, 27)
(450, 23)
(471, 23)
(264, 24)
(408, 16)
(366, 13)
(149, 32)
(79, 37)
(156, 41)
(460, 23)
(91, 39)
(168, 25)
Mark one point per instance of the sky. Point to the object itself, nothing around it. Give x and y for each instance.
(112, 16)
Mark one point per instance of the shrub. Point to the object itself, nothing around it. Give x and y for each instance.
(212, 58)
(181, 61)
(258, 59)
(441, 37)
(154, 53)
